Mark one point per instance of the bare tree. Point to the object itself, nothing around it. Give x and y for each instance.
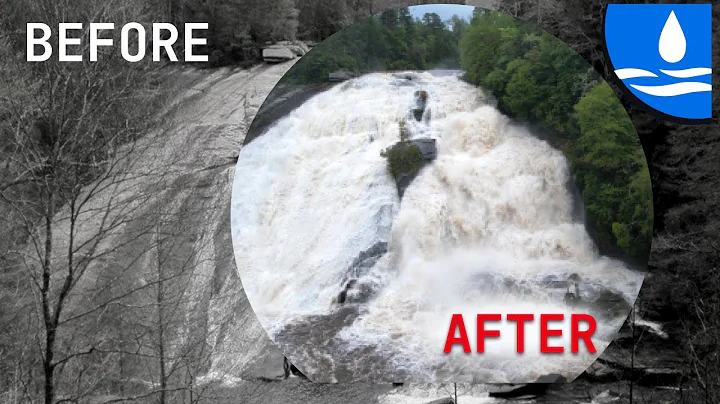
(72, 159)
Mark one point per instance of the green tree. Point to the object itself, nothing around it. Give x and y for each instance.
(613, 175)
(392, 40)
(539, 80)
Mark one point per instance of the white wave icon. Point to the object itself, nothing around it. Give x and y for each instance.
(672, 47)
(671, 90)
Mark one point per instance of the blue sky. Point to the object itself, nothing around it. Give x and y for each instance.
(445, 11)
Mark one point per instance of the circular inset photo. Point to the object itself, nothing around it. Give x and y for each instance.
(442, 194)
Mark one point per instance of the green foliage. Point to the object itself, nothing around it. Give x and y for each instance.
(538, 79)
(608, 151)
(392, 40)
(404, 158)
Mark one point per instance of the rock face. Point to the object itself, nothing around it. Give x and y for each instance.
(205, 129)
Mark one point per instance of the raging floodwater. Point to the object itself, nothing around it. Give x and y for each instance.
(489, 227)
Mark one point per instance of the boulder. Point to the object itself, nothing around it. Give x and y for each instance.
(353, 292)
(427, 148)
(551, 378)
(277, 55)
(296, 47)
(446, 400)
(297, 50)
(339, 76)
(305, 48)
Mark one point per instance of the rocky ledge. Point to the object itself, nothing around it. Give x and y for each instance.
(284, 51)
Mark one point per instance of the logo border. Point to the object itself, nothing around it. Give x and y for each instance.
(634, 98)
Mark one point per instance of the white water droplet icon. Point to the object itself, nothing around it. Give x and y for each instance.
(672, 43)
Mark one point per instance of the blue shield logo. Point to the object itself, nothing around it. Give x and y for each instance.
(663, 54)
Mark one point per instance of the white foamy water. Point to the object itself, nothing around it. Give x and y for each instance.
(485, 228)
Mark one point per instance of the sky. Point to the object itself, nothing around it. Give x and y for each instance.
(445, 11)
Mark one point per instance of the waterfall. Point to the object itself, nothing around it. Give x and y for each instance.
(489, 226)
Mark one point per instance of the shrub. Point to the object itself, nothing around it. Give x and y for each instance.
(404, 158)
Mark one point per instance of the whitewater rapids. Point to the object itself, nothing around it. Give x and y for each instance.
(490, 226)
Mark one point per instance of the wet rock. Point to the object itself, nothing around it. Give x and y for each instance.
(354, 292)
(319, 340)
(540, 386)
(427, 147)
(611, 304)
(551, 378)
(360, 293)
(367, 259)
(403, 182)
(421, 98)
(342, 296)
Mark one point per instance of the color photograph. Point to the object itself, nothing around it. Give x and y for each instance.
(399, 192)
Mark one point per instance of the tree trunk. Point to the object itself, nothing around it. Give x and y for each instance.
(48, 317)
(161, 325)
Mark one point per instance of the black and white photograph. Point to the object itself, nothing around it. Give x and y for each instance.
(247, 201)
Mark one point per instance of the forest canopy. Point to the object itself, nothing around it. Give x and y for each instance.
(539, 80)
(392, 40)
